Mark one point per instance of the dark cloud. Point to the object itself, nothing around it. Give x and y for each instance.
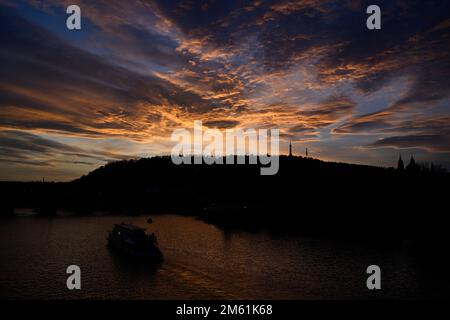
(361, 127)
(332, 108)
(388, 123)
(301, 129)
(19, 140)
(221, 124)
(32, 149)
(427, 133)
(432, 143)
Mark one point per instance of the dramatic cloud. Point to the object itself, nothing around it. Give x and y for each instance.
(33, 149)
(140, 69)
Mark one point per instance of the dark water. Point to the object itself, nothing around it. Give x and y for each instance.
(201, 262)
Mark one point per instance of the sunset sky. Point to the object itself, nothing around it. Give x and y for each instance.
(71, 101)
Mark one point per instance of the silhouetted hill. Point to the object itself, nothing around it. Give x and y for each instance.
(305, 194)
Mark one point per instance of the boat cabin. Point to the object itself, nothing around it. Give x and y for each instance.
(137, 235)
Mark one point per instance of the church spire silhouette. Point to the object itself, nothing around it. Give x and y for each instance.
(412, 166)
(400, 164)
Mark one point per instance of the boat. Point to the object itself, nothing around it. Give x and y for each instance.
(134, 242)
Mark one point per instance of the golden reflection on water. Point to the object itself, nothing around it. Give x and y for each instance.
(202, 261)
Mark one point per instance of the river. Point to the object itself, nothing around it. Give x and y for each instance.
(202, 261)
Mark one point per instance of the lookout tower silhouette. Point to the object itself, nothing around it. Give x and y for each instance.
(290, 148)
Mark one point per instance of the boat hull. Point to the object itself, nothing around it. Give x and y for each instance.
(148, 253)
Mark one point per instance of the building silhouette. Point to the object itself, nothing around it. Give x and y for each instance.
(412, 166)
(400, 164)
(290, 148)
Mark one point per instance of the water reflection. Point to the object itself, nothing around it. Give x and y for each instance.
(201, 262)
(133, 266)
